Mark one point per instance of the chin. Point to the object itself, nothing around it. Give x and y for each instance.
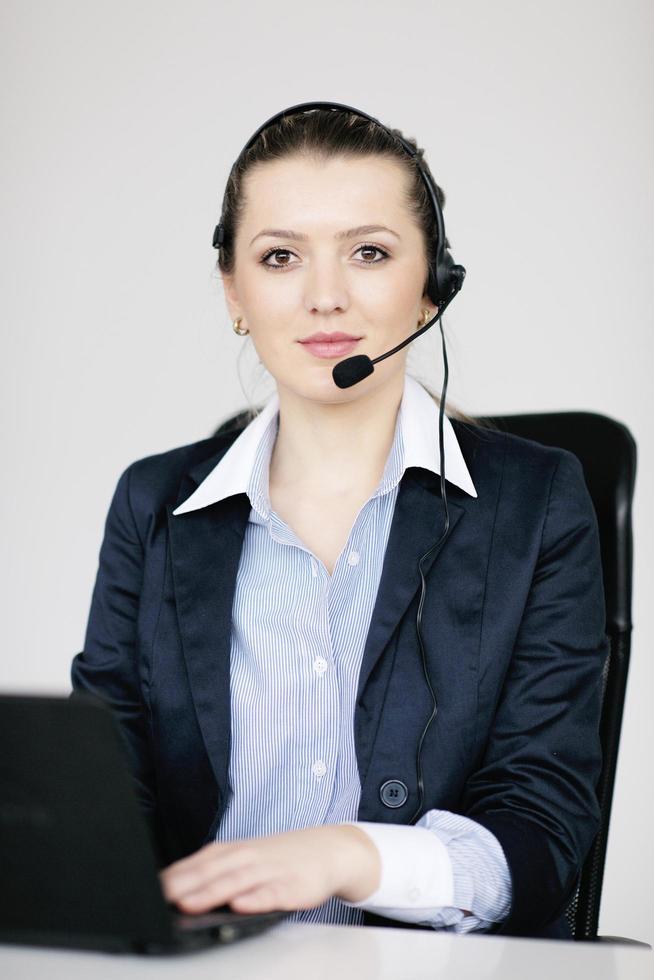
(325, 391)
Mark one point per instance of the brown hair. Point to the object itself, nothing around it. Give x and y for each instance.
(325, 133)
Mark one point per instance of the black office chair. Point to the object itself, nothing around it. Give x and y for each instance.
(607, 452)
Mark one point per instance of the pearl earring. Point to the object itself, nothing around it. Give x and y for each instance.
(236, 327)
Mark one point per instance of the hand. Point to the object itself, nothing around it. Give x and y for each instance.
(299, 869)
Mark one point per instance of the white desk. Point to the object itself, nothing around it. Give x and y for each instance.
(298, 951)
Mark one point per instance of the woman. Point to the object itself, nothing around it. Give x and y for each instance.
(253, 623)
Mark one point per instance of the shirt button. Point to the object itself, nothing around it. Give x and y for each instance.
(319, 768)
(414, 894)
(353, 558)
(320, 665)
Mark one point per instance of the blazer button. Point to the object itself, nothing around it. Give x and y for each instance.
(393, 793)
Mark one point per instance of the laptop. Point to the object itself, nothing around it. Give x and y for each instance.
(78, 865)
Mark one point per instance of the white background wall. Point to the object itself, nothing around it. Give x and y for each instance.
(120, 122)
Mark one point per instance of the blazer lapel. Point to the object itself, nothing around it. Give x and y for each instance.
(205, 551)
(418, 524)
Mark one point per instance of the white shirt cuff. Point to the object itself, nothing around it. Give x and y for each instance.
(416, 872)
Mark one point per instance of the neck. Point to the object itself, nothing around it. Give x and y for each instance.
(338, 448)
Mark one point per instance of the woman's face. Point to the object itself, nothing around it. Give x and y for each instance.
(305, 264)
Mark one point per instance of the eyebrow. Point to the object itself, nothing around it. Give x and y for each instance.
(299, 237)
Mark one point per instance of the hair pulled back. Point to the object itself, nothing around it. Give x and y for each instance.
(323, 134)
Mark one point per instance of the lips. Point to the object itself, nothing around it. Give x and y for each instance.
(335, 346)
(328, 338)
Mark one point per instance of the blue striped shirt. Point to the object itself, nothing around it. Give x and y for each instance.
(297, 642)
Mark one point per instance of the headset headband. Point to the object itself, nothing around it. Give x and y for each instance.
(447, 278)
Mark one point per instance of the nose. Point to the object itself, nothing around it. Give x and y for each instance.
(325, 286)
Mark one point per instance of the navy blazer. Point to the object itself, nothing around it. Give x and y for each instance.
(513, 625)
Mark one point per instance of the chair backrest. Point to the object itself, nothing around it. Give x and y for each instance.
(607, 452)
(608, 455)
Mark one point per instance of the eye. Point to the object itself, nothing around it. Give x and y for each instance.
(285, 251)
(374, 248)
(275, 251)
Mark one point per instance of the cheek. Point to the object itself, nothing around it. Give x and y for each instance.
(391, 297)
(273, 306)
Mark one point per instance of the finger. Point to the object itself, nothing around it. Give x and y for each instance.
(220, 891)
(177, 881)
(265, 898)
(198, 858)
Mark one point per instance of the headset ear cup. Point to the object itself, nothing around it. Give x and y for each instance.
(432, 287)
(444, 278)
(448, 278)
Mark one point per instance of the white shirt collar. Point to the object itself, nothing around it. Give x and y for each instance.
(420, 436)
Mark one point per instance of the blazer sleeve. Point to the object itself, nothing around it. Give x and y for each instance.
(107, 666)
(535, 788)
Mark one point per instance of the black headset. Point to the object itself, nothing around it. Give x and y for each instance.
(444, 282)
